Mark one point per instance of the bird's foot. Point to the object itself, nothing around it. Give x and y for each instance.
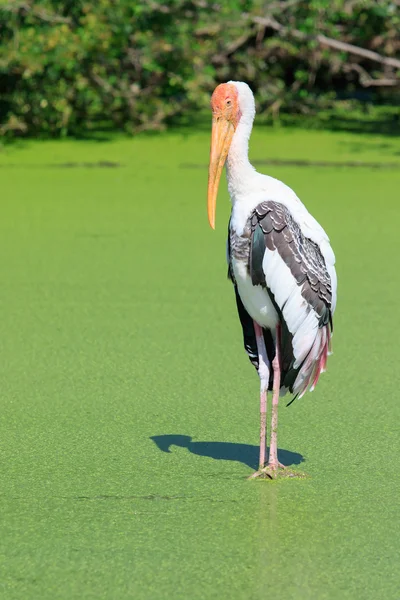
(275, 471)
(270, 471)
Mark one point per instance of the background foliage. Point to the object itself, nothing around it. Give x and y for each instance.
(69, 66)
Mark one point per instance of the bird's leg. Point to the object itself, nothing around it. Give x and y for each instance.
(263, 371)
(272, 469)
(273, 463)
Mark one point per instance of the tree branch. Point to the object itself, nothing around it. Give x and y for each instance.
(39, 13)
(233, 46)
(323, 40)
(366, 80)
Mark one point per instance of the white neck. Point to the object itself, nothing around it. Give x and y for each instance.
(238, 167)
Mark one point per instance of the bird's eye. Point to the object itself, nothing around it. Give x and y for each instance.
(229, 102)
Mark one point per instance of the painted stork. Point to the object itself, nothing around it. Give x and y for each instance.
(280, 262)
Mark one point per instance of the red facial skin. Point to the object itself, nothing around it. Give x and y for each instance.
(225, 103)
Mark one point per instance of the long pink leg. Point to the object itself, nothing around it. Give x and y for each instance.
(276, 365)
(263, 371)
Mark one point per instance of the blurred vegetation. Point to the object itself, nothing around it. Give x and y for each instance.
(71, 66)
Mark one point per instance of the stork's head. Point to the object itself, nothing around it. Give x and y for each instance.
(231, 103)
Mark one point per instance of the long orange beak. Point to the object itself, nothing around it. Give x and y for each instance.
(221, 138)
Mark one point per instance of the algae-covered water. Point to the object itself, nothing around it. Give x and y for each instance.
(129, 410)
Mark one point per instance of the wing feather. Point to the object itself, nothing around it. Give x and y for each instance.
(302, 286)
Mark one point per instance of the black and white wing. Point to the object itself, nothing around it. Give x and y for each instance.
(302, 288)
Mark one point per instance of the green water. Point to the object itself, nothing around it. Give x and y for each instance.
(119, 337)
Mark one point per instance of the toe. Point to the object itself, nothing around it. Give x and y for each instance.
(261, 474)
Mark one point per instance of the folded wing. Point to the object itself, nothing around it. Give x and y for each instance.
(293, 270)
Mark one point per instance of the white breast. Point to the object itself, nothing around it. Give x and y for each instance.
(255, 298)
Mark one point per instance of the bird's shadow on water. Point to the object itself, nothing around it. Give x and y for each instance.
(244, 453)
